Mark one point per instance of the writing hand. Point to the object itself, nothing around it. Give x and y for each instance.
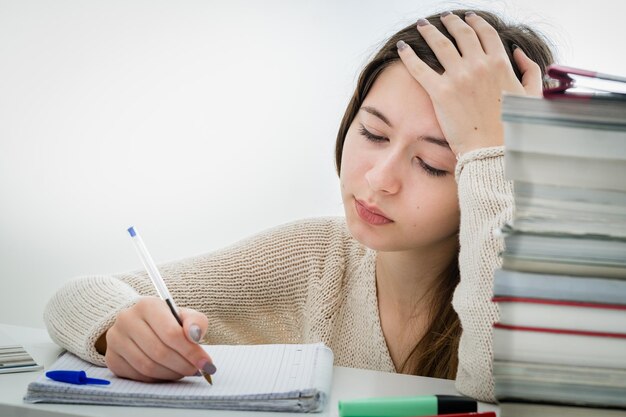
(146, 343)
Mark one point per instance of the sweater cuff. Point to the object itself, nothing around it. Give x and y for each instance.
(83, 310)
(477, 155)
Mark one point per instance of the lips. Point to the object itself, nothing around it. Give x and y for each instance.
(370, 214)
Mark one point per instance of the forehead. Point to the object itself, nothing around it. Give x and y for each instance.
(396, 93)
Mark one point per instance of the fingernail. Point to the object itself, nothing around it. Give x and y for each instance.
(422, 22)
(514, 47)
(446, 13)
(195, 333)
(207, 367)
(468, 14)
(198, 373)
(401, 45)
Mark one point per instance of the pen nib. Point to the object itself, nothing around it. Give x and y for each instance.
(207, 377)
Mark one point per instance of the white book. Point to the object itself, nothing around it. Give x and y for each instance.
(561, 314)
(570, 143)
(538, 382)
(285, 377)
(541, 208)
(597, 113)
(558, 347)
(565, 247)
(566, 266)
(568, 171)
(511, 283)
(527, 409)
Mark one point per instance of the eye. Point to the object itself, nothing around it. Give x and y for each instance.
(434, 172)
(370, 136)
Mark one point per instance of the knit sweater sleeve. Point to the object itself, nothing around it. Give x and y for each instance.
(486, 202)
(269, 288)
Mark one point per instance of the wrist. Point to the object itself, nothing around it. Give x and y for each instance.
(101, 344)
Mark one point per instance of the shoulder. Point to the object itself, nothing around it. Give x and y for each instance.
(315, 228)
(306, 238)
(310, 235)
(308, 230)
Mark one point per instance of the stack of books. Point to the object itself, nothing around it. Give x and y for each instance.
(13, 356)
(560, 344)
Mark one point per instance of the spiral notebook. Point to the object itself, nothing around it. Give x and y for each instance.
(286, 377)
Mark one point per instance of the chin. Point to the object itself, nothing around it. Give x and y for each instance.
(366, 235)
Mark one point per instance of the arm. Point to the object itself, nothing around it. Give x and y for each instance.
(466, 98)
(252, 292)
(486, 202)
(83, 309)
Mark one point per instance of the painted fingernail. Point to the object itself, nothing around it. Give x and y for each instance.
(198, 373)
(446, 13)
(207, 367)
(468, 14)
(401, 45)
(195, 333)
(422, 22)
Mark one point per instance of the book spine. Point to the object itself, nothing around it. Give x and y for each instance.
(589, 333)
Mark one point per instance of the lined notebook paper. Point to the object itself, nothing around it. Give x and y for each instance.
(287, 377)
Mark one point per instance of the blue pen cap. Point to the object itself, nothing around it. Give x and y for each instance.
(75, 377)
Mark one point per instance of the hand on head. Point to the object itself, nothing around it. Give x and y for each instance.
(146, 343)
(467, 95)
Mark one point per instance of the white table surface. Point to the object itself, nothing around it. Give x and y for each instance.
(347, 383)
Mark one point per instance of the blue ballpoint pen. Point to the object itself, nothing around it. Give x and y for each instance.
(158, 282)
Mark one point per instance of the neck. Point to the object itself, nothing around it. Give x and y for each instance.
(405, 278)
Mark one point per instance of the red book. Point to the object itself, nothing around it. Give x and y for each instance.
(578, 83)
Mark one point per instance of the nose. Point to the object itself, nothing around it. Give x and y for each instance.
(384, 175)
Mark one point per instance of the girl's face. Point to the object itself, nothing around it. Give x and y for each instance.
(397, 171)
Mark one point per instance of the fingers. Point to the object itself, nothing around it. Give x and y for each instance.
(531, 73)
(195, 324)
(474, 37)
(464, 35)
(444, 49)
(425, 75)
(489, 38)
(169, 332)
(480, 54)
(159, 352)
(147, 343)
(120, 367)
(130, 361)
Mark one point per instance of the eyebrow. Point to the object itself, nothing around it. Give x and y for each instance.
(437, 141)
(372, 110)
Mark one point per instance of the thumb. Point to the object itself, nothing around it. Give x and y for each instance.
(531, 73)
(195, 324)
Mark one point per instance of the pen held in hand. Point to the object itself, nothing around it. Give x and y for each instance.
(157, 280)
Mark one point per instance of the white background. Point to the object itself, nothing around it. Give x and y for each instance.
(199, 122)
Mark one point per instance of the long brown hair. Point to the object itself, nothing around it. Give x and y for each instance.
(435, 355)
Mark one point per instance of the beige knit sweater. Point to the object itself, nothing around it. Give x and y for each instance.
(310, 281)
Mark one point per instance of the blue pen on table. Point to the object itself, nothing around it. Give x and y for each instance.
(158, 282)
(75, 377)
